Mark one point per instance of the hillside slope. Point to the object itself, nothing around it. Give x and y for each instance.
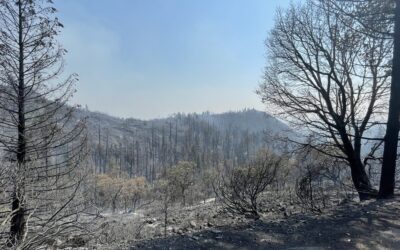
(369, 225)
(147, 148)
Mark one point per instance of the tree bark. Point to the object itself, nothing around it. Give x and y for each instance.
(358, 174)
(17, 228)
(387, 182)
(18, 222)
(361, 181)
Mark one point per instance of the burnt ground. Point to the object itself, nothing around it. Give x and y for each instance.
(369, 225)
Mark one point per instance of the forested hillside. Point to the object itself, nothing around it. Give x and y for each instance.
(147, 148)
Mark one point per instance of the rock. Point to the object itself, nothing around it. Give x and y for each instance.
(192, 224)
(150, 220)
(75, 241)
(58, 242)
(194, 238)
(215, 231)
(209, 224)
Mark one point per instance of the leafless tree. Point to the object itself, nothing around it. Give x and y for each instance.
(240, 189)
(321, 181)
(330, 81)
(42, 142)
(374, 17)
(381, 18)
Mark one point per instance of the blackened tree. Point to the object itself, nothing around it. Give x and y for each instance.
(324, 77)
(42, 142)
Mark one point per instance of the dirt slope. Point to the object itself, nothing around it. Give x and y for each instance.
(371, 225)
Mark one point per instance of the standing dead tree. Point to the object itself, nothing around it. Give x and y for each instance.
(42, 143)
(329, 80)
(381, 18)
(387, 184)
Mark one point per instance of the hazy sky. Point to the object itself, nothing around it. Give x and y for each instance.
(152, 58)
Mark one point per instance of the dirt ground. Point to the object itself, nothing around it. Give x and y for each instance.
(369, 225)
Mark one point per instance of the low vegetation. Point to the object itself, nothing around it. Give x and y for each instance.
(240, 189)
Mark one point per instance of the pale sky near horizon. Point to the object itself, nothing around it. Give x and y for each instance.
(152, 58)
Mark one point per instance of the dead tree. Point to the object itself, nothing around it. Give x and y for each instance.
(387, 184)
(330, 81)
(41, 141)
(381, 18)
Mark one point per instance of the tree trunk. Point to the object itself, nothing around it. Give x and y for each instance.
(361, 181)
(165, 215)
(183, 198)
(17, 228)
(387, 183)
(358, 174)
(18, 222)
(113, 205)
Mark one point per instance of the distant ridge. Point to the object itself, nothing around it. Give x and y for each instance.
(147, 147)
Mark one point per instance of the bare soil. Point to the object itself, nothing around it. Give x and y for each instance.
(353, 225)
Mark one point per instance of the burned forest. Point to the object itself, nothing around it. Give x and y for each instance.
(199, 124)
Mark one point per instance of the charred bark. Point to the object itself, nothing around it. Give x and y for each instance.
(387, 182)
(361, 181)
(18, 223)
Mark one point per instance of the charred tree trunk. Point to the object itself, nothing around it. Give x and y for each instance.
(387, 183)
(18, 222)
(361, 180)
(39, 141)
(358, 174)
